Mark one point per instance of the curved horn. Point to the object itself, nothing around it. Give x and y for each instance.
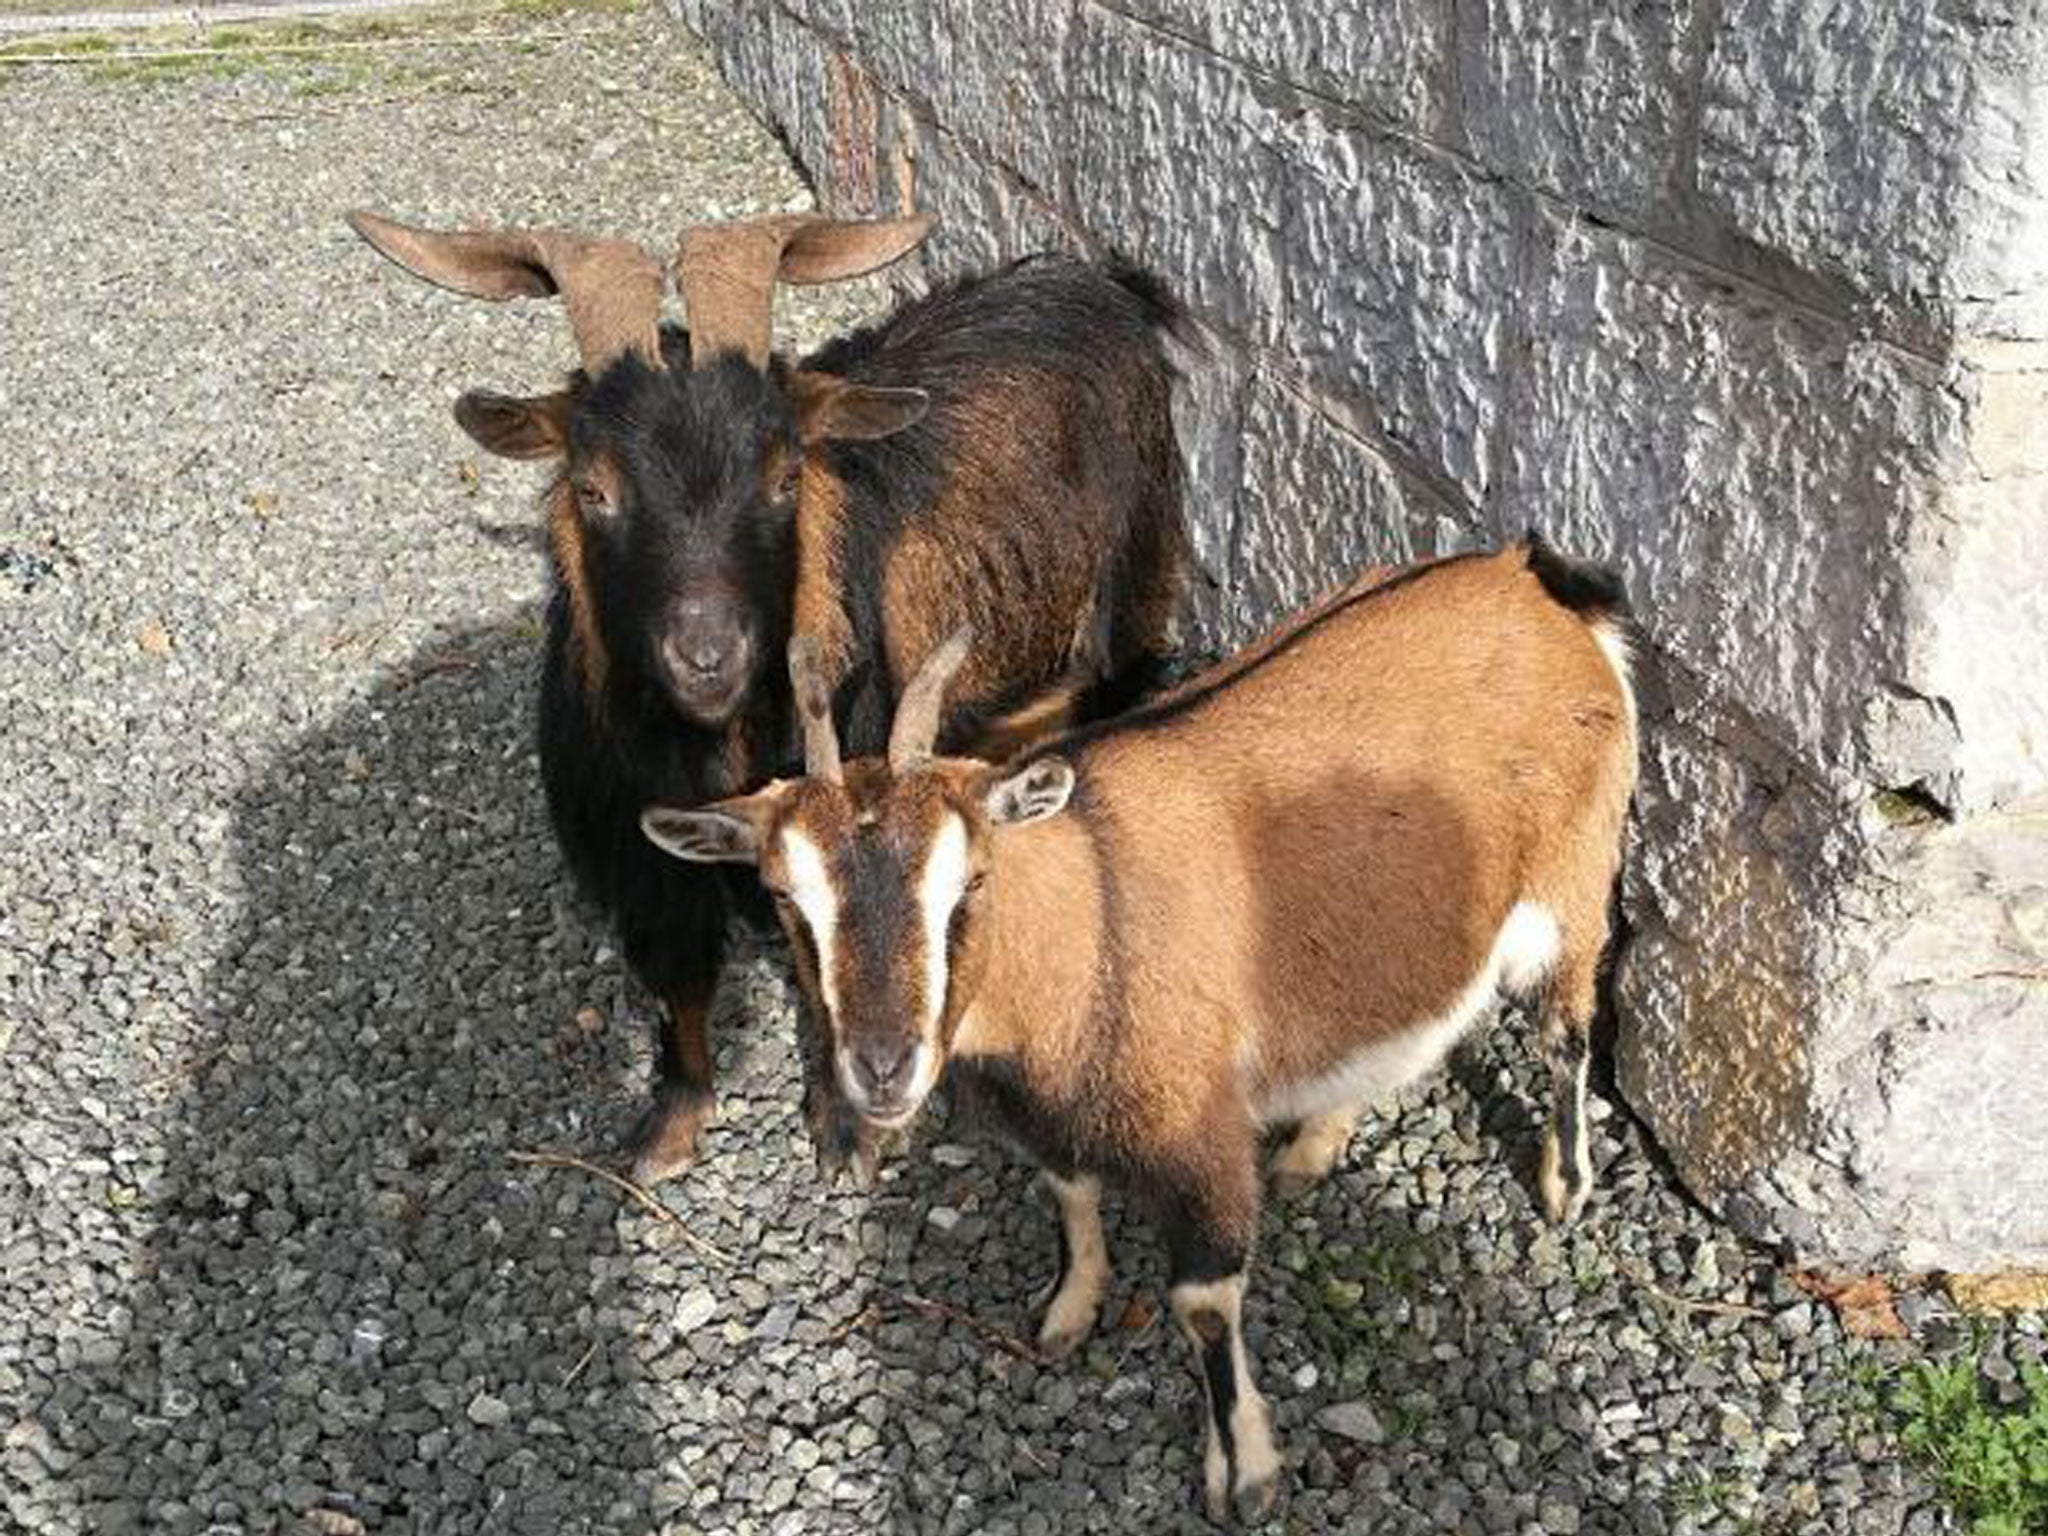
(612, 287)
(917, 712)
(814, 706)
(727, 272)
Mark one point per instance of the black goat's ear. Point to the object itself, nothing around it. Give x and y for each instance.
(830, 409)
(705, 836)
(516, 428)
(1039, 789)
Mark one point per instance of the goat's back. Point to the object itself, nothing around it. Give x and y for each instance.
(1039, 498)
(1323, 841)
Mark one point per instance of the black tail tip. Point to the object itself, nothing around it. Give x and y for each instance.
(1580, 585)
(1162, 310)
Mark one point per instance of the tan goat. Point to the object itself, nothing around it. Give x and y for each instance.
(1273, 896)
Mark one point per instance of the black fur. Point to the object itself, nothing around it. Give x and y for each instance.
(1580, 585)
(692, 448)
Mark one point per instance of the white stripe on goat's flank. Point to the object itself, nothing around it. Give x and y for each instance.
(1523, 952)
(939, 887)
(811, 889)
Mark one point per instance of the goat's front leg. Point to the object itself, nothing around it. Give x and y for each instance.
(1209, 1235)
(666, 1140)
(1083, 1264)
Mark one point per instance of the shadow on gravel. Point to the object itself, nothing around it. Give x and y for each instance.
(358, 1303)
(1357, 1302)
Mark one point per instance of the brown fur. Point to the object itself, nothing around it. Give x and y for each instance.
(819, 610)
(1357, 836)
(565, 540)
(980, 542)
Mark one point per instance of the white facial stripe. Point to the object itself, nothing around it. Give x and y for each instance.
(812, 892)
(939, 888)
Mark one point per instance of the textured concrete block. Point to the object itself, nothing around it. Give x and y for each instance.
(1763, 477)
(1316, 502)
(1208, 418)
(1933, 1109)
(1399, 268)
(991, 71)
(1835, 1025)
(1589, 103)
(1897, 144)
(1173, 159)
(1728, 886)
(1389, 58)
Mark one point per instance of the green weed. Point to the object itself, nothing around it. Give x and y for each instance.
(1990, 1464)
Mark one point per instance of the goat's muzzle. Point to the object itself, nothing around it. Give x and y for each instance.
(885, 1078)
(707, 655)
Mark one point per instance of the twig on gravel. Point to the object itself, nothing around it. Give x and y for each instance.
(653, 1206)
(880, 1304)
(433, 668)
(370, 634)
(1689, 1304)
(866, 1317)
(582, 1360)
(986, 1331)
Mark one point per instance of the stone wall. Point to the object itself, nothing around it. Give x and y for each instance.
(1748, 296)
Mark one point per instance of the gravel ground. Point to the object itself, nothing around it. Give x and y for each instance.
(289, 973)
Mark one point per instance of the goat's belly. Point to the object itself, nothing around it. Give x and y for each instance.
(1522, 955)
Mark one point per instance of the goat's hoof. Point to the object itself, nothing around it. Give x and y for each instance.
(1564, 1199)
(1254, 1502)
(1059, 1339)
(1251, 1502)
(1292, 1183)
(668, 1136)
(846, 1146)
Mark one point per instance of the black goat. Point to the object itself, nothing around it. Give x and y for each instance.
(1000, 452)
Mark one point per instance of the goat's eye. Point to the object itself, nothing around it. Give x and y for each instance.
(975, 882)
(786, 482)
(591, 500)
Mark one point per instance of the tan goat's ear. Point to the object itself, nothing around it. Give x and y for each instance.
(727, 833)
(515, 428)
(830, 409)
(1039, 789)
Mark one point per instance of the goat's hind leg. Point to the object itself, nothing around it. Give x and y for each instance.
(1564, 1176)
(1313, 1150)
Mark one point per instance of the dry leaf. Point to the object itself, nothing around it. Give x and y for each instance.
(154, 638)
(589, 1022)
(332, 1522)
(2012, 1290)
(1862, 1303)
(1138, 1313)
(468, 476)
(264, 504)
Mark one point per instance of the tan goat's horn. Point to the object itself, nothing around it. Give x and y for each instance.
(814, 708)
(727, 272)
(916, 728)
(612, 288)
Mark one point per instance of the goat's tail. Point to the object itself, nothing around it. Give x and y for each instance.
(1589, 589)
(1156, 302)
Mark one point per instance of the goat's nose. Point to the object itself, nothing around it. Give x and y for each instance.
(884, 1065)
(701, 636)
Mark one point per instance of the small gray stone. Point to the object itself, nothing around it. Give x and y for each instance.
(1353, 1421)
(488, 1411)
